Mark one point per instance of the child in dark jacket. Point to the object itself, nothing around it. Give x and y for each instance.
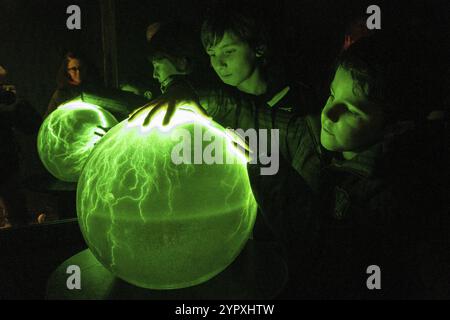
(250, 93)
(382, 204)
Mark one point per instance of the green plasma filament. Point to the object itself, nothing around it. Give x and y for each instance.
(157, 224)
(68, 135)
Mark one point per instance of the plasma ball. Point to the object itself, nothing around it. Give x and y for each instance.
(68, 135)
(158, 224)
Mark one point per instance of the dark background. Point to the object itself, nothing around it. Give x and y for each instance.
(308, 35)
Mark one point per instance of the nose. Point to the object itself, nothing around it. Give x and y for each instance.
(218, 62)
(155, 73)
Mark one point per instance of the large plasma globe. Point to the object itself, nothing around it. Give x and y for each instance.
(166, 207)
(69, 134)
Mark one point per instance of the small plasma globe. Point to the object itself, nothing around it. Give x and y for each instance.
(166, 207)
(68, 135)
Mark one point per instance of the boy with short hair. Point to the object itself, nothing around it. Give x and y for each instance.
(237, 42)
(374, 209)
(238, 49)
(172, 51)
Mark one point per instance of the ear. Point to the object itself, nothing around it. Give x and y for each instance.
(260, 51)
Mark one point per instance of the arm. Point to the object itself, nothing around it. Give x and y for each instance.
(180, 94)
(114, 100)
(298, 140)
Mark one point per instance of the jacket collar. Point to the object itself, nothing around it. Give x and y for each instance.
(380, 157)
(365, 163)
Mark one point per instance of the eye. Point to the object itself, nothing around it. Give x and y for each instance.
(228, 52)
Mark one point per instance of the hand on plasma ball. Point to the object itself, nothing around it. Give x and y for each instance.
(177, 97)
(181, 97)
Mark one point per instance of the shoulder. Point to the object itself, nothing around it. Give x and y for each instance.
(303, 92)
(66, 93)
(59, 96)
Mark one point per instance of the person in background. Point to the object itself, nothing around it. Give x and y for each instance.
(15, 114)
(174, 52)
(74, 75)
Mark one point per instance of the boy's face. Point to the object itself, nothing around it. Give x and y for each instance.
(163, 68)
(349, 120)
(233, 60)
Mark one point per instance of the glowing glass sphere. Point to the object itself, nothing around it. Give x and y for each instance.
(68, 135)
(158, 222)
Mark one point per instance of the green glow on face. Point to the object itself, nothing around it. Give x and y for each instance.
(350, 121)
(160, 225)
(235, 62)
(68, 135)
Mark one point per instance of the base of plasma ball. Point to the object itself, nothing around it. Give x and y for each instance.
(259, 272)
(157, 223)
(68, 135)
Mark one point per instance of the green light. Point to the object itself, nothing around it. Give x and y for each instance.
(160, 225)
(68, 135)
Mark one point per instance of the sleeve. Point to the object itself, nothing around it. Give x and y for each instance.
(116, 101)
(286, 202)
(215, 100)
(211, 102)
(221, 105)
(298, 142)
(303, 149)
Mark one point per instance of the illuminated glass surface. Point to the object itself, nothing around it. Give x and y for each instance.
(68, 135)
(161, 225)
